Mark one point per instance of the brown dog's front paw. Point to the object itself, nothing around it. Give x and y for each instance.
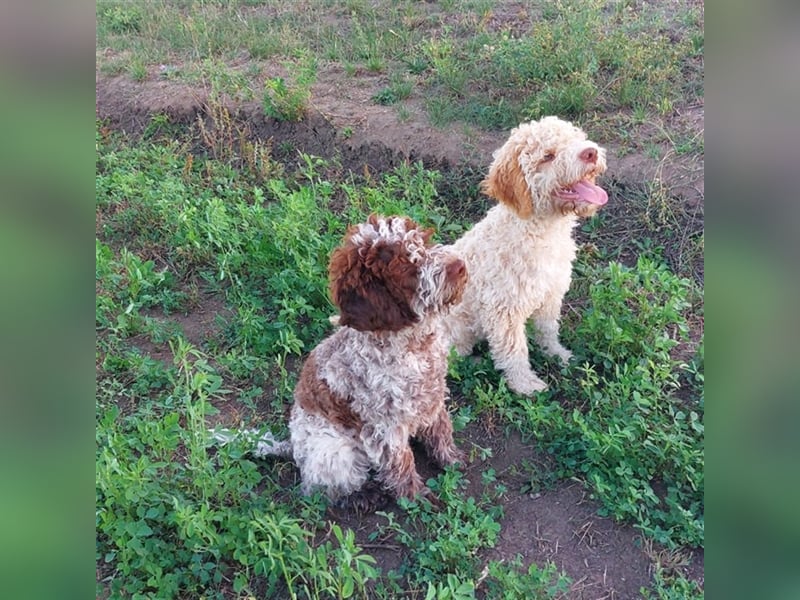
(433, 499)
(410, 488)
(459, 457)
(367, 500)
(452, 456)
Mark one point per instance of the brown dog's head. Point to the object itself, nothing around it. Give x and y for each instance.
(547, 167)
(386, 276)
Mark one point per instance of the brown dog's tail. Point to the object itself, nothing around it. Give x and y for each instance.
(260, 445)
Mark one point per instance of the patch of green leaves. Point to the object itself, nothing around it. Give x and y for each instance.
(121, 18)
(672, 586)
(510, 580)
(447, 541)
(126, 284)
(445, 545)
(173, 519)
(633, 313)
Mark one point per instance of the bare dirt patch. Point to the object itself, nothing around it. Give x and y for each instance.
(198, 325)
(376, 138)
(561, 525)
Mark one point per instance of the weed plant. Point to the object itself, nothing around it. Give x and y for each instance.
(287, 98)
(672, 586)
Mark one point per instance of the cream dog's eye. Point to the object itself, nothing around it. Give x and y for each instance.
(548, 156)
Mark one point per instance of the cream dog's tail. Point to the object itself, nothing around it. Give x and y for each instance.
(260, 445)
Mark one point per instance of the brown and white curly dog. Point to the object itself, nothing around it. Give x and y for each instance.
(520, 255)
(379, 379)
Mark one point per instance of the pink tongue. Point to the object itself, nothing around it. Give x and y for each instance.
(590, 193)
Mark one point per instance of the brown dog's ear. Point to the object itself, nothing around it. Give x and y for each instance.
(506, 182)
(367, 294)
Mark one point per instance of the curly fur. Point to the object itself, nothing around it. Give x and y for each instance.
(379, 379)
(520, 255)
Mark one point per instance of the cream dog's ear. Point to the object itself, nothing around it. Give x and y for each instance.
(506, 181)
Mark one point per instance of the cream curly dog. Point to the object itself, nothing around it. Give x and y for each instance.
(520, 255)
(379, 379)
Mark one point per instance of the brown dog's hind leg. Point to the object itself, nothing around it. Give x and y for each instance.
(373, 496)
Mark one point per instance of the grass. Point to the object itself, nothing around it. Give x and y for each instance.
(173, 516)
(188, 213)
(484, 63)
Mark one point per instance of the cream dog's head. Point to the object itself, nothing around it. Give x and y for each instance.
(547, 167)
